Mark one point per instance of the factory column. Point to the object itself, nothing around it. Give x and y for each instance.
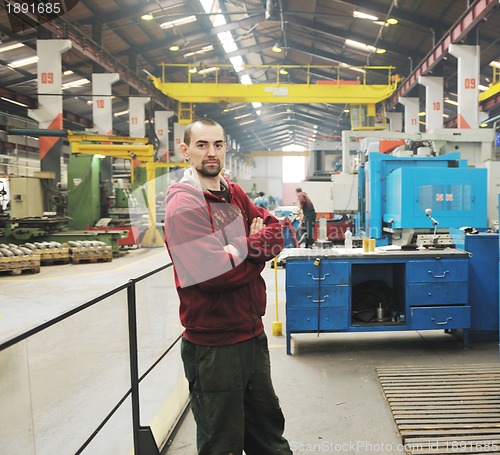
(137, 116)
(468, 84)
(411, 114)
(433, 101)
(102, 114)
(136, 120)
(395, 121)
(161, 131)
(101, 102)
(50, 111)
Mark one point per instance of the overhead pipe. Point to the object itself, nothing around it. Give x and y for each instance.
(36, 132)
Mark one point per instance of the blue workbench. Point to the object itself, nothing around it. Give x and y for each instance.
(428, 290)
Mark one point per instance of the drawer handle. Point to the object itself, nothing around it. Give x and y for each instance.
(441, 323)
(318, 278)
(319, 300)
(430, 272)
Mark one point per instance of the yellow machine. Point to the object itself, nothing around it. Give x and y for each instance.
(135, 150)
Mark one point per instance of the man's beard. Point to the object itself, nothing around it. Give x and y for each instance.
(209, 171)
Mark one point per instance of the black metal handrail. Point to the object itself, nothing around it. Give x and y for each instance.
(144, 443)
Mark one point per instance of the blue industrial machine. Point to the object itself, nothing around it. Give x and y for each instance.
(398, 194)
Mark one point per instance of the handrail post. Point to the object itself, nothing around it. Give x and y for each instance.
(134, 364)
(144, 443)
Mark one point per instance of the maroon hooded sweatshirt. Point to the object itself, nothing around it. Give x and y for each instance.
(222, 295)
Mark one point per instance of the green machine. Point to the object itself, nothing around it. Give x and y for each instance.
(84, 191)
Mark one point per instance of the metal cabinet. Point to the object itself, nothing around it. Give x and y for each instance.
(483, 281)
(318, 296)
(432, 292)
(437, 294)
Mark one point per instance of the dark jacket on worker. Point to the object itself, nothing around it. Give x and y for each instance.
(222, 296)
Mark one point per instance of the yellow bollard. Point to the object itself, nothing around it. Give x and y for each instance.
(277, 326)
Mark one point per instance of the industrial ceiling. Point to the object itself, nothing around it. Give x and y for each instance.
(322, 35)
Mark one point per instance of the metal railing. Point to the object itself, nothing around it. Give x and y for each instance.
(143, 439)
(224, 73)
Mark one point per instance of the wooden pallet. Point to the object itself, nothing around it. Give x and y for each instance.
(49, 255)
(20, 270)
(90, 254)
(18, 264)
(445, 410)
(91, 259)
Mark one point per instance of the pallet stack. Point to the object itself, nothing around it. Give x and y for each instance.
(15, 259)
(89, 252)
(50, 252)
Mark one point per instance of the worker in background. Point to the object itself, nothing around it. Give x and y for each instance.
(308, 215)
(219, 242)
(261, 201)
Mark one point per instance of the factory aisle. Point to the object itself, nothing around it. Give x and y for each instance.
(329, 389)
(27, 300)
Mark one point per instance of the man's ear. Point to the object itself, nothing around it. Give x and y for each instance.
(184, 150)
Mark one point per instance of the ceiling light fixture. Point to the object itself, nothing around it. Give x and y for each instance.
(380, 50)
(177, 22)
(23, 62)
(392, 21)
(13, 101)
(358, 45)
(76, 83)
(174, 48)
(495, 64)
(11, 47)
(200, 51)
(193, 69)
(147, 17)
(283, 71)
(208, 70)
(277, 48)
(118, 114)
(354, 68)
(360, 15)
(238, 117)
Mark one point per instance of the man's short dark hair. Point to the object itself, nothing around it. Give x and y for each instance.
(261, 193)
(298, 190)
(205, 121)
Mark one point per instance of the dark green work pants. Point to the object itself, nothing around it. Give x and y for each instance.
(233, 399)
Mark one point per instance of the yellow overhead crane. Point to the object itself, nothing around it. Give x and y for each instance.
(215, 87)
(133, 149)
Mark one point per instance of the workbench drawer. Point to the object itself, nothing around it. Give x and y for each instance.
(306, 319)
(437, 293)
(306, 273)
(440, 317)
(302, 319)
(437, 270)
(314, 296)
(334, 319)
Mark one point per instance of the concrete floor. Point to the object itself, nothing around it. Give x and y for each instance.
(329, 391)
